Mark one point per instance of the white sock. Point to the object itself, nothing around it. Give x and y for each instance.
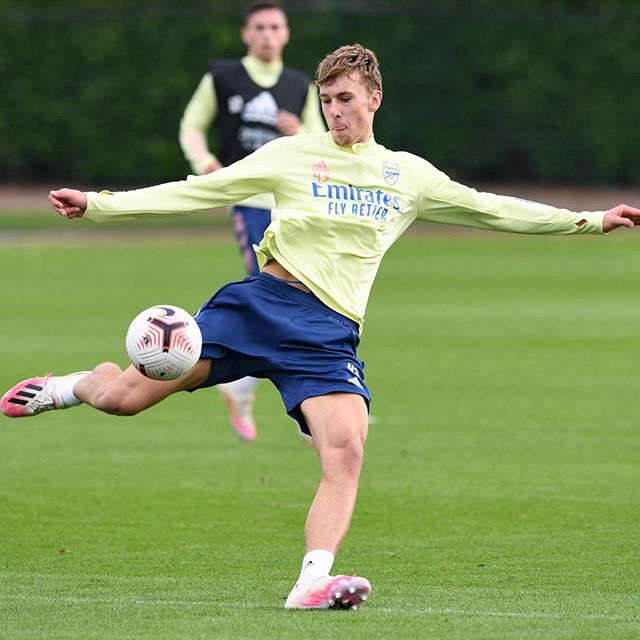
(64, 389)
(242, 386)
(315, 564)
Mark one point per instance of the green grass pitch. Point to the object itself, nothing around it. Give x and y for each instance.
(500, 494)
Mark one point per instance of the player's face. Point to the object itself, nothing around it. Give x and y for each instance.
(348, 106)
(266, 34)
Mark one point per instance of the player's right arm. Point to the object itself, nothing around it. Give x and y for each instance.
(259, 172)
(198, 115)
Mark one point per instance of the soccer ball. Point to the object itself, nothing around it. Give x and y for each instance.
(163, 342)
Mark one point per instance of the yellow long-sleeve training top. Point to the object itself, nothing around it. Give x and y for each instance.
(338, 209)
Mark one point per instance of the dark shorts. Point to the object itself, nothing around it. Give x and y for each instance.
(249, 225)
(264, 327)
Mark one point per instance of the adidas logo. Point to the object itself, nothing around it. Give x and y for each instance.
(262, 109)
(25, 394)
(356, 375)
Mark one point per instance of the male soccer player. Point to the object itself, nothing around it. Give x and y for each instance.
(341, 201)
(250, 101)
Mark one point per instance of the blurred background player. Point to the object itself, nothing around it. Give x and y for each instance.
(250, 101)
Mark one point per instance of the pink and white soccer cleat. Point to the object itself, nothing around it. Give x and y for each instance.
(35, 395)
(29, 397)
(330, 592)
(241, 406)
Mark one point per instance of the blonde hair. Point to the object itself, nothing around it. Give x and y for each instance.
(348, 60)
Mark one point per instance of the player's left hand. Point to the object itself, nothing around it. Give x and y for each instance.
(288, 124)
(621, 216)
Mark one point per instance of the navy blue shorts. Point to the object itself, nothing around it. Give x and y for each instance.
(264, 327)
(249, 225)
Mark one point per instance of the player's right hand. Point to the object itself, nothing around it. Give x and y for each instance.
(69, 203)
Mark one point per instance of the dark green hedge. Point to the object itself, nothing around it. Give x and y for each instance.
(530, 90)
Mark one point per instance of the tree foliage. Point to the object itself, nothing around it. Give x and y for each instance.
(486, 89)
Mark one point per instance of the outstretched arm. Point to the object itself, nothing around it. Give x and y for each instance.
(259, 172)
(69, 203)
(621, 216)
(446, 201)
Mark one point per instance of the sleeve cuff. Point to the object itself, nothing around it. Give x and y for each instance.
(591, 222)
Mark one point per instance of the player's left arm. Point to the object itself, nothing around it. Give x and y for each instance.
(443, 200)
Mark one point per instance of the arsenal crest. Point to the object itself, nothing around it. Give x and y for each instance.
(390, 172)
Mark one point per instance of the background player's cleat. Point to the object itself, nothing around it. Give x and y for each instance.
(30, 397)
(241, 406)
(330, 592)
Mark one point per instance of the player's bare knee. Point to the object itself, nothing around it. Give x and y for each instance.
(108, 370)
(353, 455)
(344, 458)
